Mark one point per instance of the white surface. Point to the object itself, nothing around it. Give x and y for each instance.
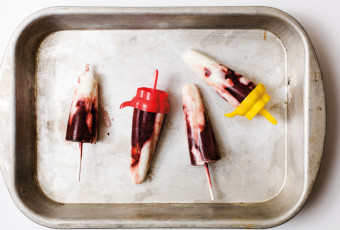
(319, 18)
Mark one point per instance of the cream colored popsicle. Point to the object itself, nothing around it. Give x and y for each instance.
(230, 85)
(82, 122)
(146, 127)
(203, 148)
(150, 106)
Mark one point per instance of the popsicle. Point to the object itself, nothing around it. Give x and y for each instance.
(150, 105)
(203, 148)
(231, 86)
(82, 122)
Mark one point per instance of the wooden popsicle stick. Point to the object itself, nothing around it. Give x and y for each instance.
(80, 160)
(209, 181)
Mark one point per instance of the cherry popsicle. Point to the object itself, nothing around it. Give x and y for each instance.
(150, 105)
(239, 91)
(203, 148)
(82, 122)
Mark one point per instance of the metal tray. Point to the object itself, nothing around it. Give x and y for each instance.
(266, 172)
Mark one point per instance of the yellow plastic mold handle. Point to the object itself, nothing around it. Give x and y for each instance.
(254, 104)
(268, 116)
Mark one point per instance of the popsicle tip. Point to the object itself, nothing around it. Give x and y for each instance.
(87, 67)
(268, 116)
(188, 54)
(136, 178)
(137, 181)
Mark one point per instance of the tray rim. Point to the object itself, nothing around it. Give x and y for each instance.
(314, 160)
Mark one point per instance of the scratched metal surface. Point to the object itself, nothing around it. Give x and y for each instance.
(266, 172)
(253, 153)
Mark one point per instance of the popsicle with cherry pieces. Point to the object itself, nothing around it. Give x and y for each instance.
(82, 122)
(231, 86)
(203, 148)
(150, 106)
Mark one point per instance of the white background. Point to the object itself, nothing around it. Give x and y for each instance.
(321, 20)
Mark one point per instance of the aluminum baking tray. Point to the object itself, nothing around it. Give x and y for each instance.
(266, 172)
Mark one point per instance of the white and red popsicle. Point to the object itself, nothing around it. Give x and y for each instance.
(150, 106)
(203, 148)
(231, 86)
(82, 122)
(146, 127)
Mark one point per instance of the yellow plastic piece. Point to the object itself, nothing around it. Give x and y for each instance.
(253, 104)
